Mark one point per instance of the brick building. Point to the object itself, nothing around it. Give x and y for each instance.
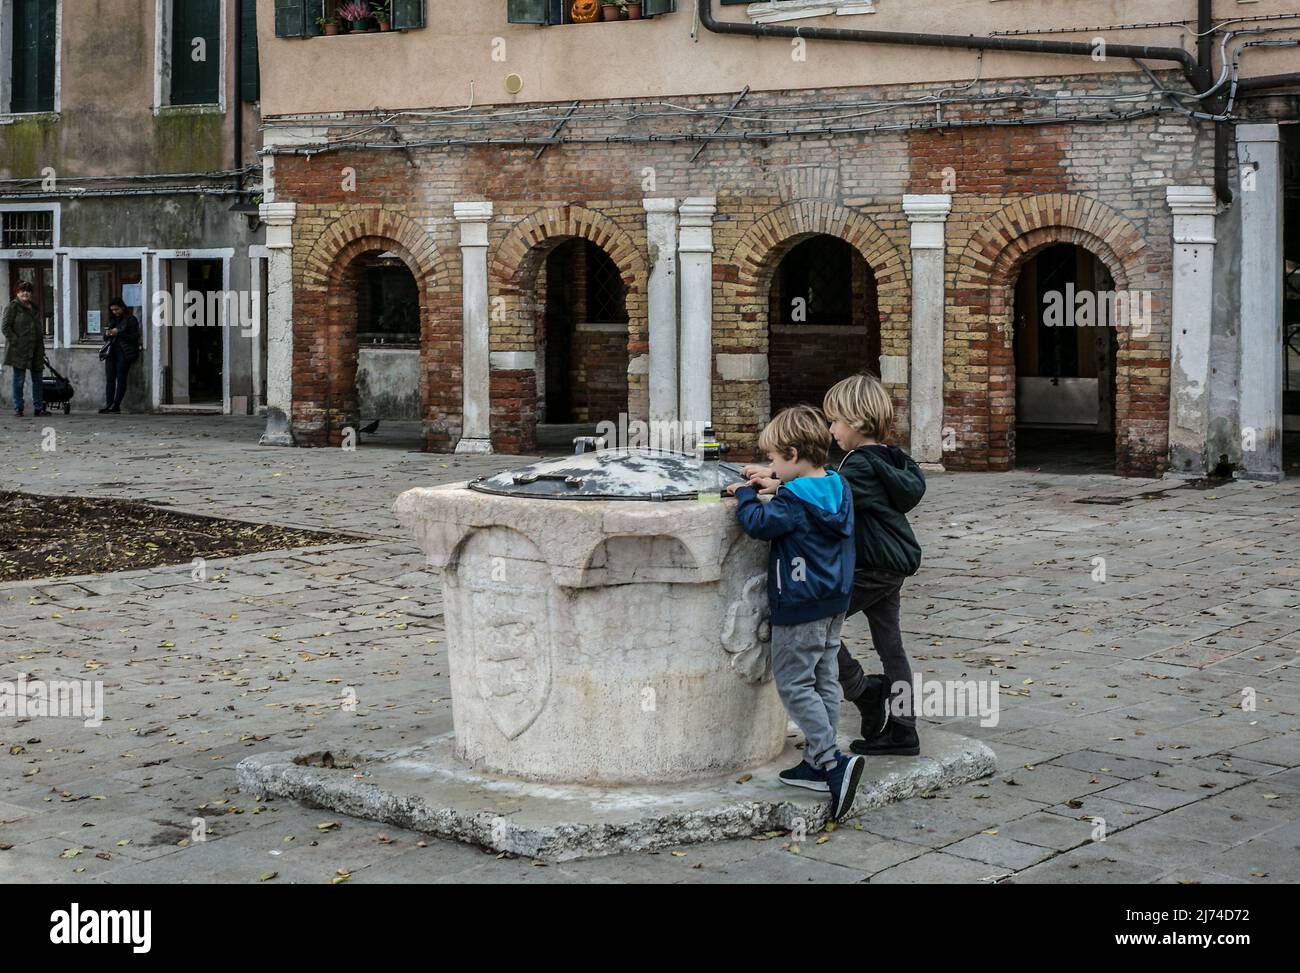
(781, 211)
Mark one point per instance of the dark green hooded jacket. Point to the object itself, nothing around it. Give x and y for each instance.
(886, 484)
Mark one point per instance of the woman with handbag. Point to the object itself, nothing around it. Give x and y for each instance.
(121, 349)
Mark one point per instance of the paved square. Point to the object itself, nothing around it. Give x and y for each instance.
(1121, 699)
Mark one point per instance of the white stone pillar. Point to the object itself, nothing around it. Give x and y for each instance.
(661, 296)
(1194, 210)
(929, 216)
(279, 218)
(1258, 151)
(476, 370)
(696, 356)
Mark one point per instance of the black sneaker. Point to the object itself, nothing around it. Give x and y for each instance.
(805, 775)
(873, 704)
(106, 410)
(843, 781)
(115, 411)
(898, 740)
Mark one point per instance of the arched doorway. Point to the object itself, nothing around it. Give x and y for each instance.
(582, 342)
(823, 320)
(1066, 315)
(387, 318)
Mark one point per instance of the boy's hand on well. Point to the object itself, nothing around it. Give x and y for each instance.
(731, 488)
(765, 484)
(756, 472)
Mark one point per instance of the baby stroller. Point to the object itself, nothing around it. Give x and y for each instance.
(55, 389)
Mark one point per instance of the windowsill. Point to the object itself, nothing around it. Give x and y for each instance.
(774, 11)
(182, 110)
(8, 118)
(395, 346)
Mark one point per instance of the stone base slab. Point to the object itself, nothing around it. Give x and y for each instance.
(426, 789)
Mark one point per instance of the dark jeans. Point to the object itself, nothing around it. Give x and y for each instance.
(116, 370)
(38, 403)
(876, 595)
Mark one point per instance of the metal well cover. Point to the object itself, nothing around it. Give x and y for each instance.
(613, 474)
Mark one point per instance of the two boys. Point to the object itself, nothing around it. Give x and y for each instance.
(832, 523)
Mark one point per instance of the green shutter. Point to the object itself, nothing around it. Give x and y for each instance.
(652, 8)
(34, 29)
(290, 18)
(526, 11)
(250, 74)
(196, 82)
(407, 14)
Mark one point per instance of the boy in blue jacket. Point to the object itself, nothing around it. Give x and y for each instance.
(809, 523)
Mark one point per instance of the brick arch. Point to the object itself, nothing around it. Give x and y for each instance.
(978, 348)
(755, 259)
(325, 329)
(514, 279)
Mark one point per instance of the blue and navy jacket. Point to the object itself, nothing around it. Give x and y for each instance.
(810, 565)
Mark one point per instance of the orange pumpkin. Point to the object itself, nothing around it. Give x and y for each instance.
(585, 11)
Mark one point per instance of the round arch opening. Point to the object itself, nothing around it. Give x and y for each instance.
(582, 342)
(1065, 350)
(823, 320)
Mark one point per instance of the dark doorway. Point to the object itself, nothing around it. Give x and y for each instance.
(823, 321)
(204, 356)
(1065, 350)
(582, 340)
(388, 396)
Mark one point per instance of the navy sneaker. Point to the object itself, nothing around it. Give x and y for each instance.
(843, 781)
(805, 775)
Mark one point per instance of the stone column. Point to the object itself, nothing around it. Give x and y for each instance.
(696, 356)
(1193, 301)
(928, 215)
(1261, 301)
(279, 218)
(476, 372)
(661, 296)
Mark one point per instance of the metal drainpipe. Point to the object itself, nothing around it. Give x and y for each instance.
(1189, 63)
(1205, 73)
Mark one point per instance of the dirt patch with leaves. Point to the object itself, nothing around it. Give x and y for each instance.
(57, 537)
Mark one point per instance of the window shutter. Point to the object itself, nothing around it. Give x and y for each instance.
(652, 8)
(196, 82)
(34, 28)
(290, 18)
(407, 14)
(527, 11)
(251, 76)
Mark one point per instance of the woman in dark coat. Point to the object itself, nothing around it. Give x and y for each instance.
(25, 348)
(121, 350)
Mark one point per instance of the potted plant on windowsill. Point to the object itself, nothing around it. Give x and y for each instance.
(357, 14)
(633, 9)
(612, 9)
(383, 17)
(329, 26)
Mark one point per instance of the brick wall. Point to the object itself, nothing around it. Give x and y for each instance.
(1015, 190)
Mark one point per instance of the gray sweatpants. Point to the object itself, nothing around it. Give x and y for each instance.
(806, 671)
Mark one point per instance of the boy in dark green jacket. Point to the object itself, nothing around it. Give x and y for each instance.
(886, 484)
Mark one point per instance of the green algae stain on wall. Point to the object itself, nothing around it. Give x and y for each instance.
(27, 146)
(189, 141)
